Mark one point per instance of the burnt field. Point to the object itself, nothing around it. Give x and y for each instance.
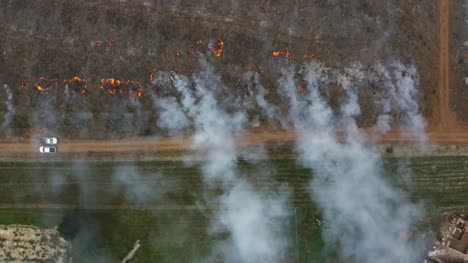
(458, 58)
(122, 53)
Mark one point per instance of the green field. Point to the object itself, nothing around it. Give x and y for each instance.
(169, 218)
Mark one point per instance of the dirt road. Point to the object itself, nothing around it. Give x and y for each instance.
(444, 118)
(183, 144)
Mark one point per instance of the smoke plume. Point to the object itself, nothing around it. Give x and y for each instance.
(400, 83)
(8, 117)
(253, 220)
(369, 215)
(138, 190)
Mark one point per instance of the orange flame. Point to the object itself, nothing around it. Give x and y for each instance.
(76, 79)
(152, 75)
(110, 85)
(195, 49)
(309, 56)
(285, 52)
(42, 84)
(277, 53)
(178, 53)
(218, 49)
(78, 84)
(139, 92)
(114, 86)
(133, 86)
(98, 43)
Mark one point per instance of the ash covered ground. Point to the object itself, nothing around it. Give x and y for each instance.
(143, 41)
(459, 58)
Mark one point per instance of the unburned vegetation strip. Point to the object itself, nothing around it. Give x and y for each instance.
(166, 236)
(174, 226)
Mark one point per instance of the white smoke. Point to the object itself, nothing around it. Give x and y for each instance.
(67, 93)
(407, 79)
(253, 220)
(139, 117)
(384, 120)
(138, 189)
(8, 117)
(172, 117)
(368, 214)
(46, 118)
(271, 111)
(352, 78)
(181, 83)
(215, 129)
(399, 85)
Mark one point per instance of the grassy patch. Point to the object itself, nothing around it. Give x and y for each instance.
(175, 236)
(173, 230)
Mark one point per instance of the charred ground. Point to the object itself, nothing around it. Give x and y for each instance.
(139, 41)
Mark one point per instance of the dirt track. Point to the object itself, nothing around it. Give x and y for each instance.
(251, 138)
(444, 118)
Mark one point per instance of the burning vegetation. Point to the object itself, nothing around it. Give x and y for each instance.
(77, 84)
(152, 75)
(197, 49)
(43, 84)
(115, 86)
(310, 56)
(285, 52)
(217, 47)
